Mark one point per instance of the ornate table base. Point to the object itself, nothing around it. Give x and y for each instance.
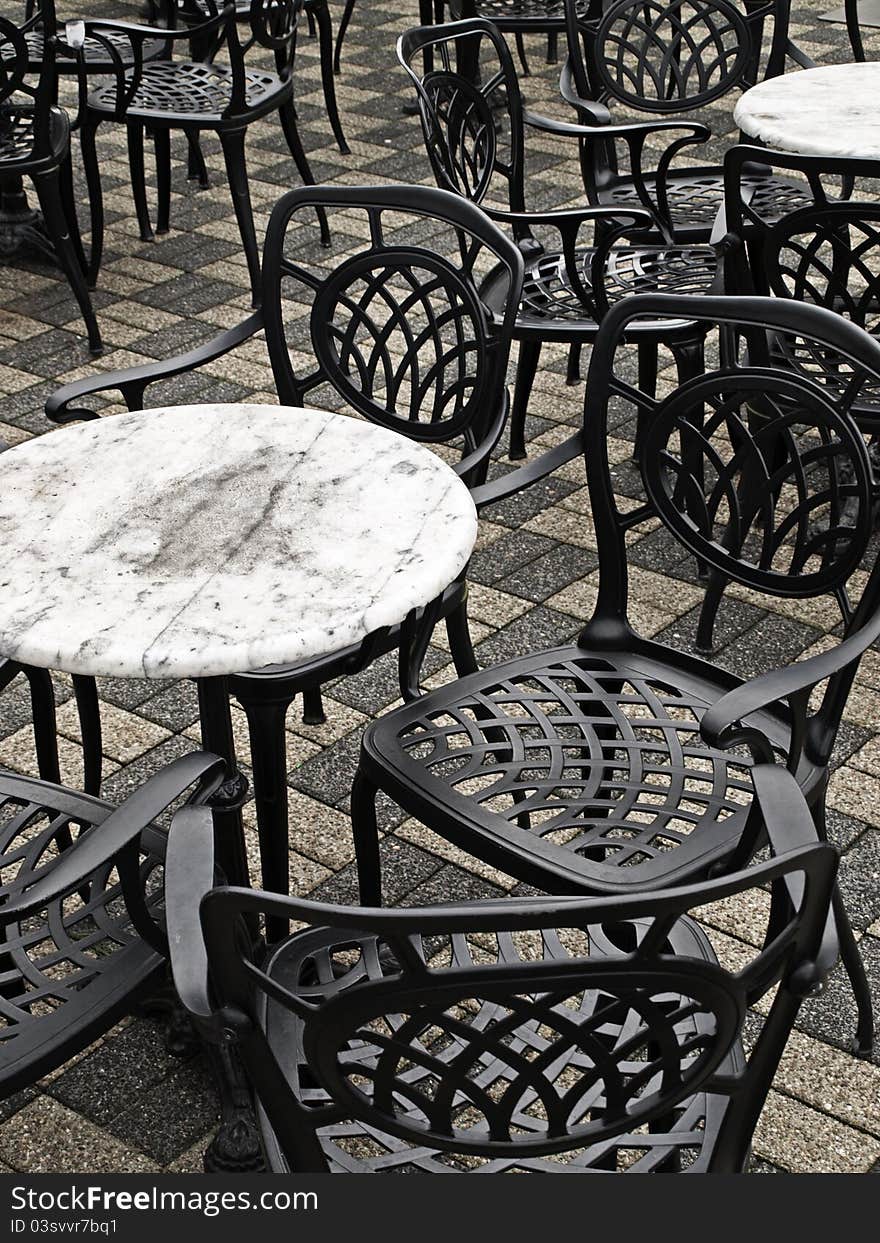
(21, 227)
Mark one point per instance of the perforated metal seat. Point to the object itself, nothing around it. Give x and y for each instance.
(590, 762)
(550, 298)
(497, 1047)
(17, 133)
(178, 88)
(95, 57)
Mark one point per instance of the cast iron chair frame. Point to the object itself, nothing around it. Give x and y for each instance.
(89, 850)
(43, 153)
(207, 36)
(591, 92)
(727, 712)
(230, 996)
(583, 273)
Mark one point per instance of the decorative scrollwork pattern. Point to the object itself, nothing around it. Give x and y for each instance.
(399, 330)
(495, 1075)
(55, 961)
(593, 758)
(760, 474)
(671, 57)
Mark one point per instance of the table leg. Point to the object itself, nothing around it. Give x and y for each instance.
(236, 1148)
(216, 724)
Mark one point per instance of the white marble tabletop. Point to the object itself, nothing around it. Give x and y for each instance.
(831, 110)
(201, 540)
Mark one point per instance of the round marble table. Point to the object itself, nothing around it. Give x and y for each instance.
(201, 541)
(831, 110)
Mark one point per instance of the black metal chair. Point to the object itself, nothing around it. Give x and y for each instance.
(191, 96)
(665, 59)
(35, 143)
(400, 333)
(473, 121)
(826, 253)
(532, 1034)
(620, 763)
(81, 911)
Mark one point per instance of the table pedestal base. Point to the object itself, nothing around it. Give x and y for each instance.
(21, 227)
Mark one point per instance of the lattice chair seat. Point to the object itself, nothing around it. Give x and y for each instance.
(186, 90)
(550, 296)
(95, 59)
(695, 195)
(498, 1048)
(593, 764)
(72, 964)
(17, 132)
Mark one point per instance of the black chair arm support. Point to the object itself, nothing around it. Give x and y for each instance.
(692, 129)
(790, 827)
(121, 828)
(725, 715)
(481, 454)
(133, 382)
(591, 109)
(572, 217)
(515, 480)
(189, 875)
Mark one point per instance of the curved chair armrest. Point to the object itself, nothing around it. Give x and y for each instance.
(789, 827)
(724, 717)
(133, 382)
(595, 112)
(189, 875)
(611, 129)
(515, 480)
(119, 830)
(140, 32)
(571, 217)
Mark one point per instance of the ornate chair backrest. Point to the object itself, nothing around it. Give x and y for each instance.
(395, 325)
(755, 468)
(826, 252)
(24, 94)
(516, 1030)
(470, 109)
(660, 57)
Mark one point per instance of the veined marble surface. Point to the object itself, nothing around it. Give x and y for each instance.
(831, 110)
(202, 540)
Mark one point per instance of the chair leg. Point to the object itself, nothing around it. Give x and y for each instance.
(690, 358)
(69, 204)
(43, 723)
(647, 351)
(552, 47)
(96, 200)
(232, 142)
(704, 643)
(162, 145)
(313, 707)
(325, 50)
(266, 727)
(48, 186)
(196, 168)
(85, 691)
(138, 179)
(573, 367)
(521, 53)
(365, 828)
(529, 354)
(340, 34)
(863, 1043)
(460, 642)
(287, 113)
